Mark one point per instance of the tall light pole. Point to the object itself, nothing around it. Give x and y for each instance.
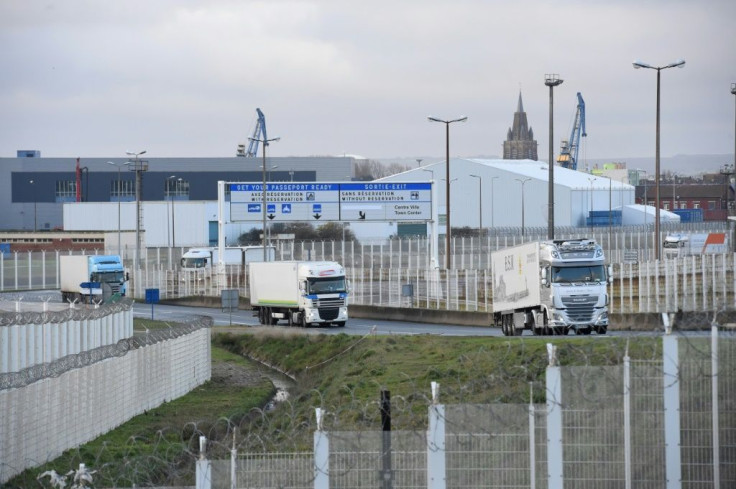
(119, 190)
(522, 181)
(551, 81)
(493, 207)
(138, 165)
(172, 198)
(638, 64)
(448, 237)
(35, 201)
(591, 180)
(480, 206)
(265, 143)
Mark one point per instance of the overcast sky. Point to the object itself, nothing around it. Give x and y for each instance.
(184, 78)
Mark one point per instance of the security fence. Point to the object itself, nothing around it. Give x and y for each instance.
(51, 407)
(666, 422)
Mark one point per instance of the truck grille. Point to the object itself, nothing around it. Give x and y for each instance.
(328, 313)
(580, 308)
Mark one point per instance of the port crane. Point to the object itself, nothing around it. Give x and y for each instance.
(259, 134)
(569, 149)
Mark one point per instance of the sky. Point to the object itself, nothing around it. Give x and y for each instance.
(183, 78)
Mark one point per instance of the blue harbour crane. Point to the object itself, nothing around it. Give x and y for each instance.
(259, 134)
(569, 150)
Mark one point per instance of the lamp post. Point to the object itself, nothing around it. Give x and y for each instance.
(591, 180)
(448, 255)
(551, 81)
(522, 181)
(264, 142)
(493, 207)
(35, 200)
(119, 165)
(138, 182)
(480, 219)
(638, 64)
(433, 259)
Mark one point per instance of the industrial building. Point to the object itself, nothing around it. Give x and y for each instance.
(33, 189)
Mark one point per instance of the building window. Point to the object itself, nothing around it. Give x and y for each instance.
(125, 189)
(666, 206)
(176, 189)
(711, 204)
(66, 191)
(696, 205)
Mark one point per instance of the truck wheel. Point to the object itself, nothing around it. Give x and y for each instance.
(305, 324)
(261, 315)
(270, 320)
(340, 324)
(601, 329)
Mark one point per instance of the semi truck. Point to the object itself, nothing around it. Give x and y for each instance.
(682, 244)
(302, 293)
(206, 258)
(89, 277)
(551, 287)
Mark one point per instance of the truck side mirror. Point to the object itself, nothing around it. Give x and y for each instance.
(544, 280)
(127, 276)
(347, 286)
(610, 274)
(303, 287)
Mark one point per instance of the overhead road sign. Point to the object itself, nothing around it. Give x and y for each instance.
(319, 201)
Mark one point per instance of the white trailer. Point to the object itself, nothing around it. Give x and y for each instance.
(87, 276)
(302, 293)
(682, 244)
(551, 287)
(208, 258)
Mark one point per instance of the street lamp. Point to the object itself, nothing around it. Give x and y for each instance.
(119, 165)
(480, 219)
(480, 206)
(35, 200)
(172, 198)
(522, 181)
(448, 255)
(138, 177)
(551, 81)
(638, 64)
(591, 180)
(493, 208)
(264, 142)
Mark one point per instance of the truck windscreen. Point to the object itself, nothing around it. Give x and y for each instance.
(326, 285)
(193, 262)
(588, 273)
(107, 277)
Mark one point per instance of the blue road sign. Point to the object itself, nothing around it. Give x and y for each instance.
(254, 207)
(286, 208)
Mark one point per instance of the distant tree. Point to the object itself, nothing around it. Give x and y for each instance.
(372, 169)
(333, 231)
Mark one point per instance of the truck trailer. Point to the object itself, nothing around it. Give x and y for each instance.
(207, 258)
(88, 277)
(302, 293)
(682, 244)
(551, 287)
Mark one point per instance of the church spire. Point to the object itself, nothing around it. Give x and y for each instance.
(520, 106)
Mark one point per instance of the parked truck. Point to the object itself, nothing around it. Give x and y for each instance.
(91, 277)
(551, 287)
(302, 293)
(206, 258)
(681, 244)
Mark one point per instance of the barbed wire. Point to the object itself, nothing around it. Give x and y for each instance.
(34, 373)
(68, 314)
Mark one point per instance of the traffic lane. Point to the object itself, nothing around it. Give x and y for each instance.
(355, 326)
(227, 321)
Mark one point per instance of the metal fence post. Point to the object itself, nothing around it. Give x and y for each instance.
(671, 396)
(532, 442)
(321, 455)
(714, 396)
(436, 462)
(554, 420)
(204, 467)
(627, 418)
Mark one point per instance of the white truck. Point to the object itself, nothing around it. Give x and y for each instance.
(551, 287)
(89, 277)
(207, 258)
(681, 244)
(302, 293)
